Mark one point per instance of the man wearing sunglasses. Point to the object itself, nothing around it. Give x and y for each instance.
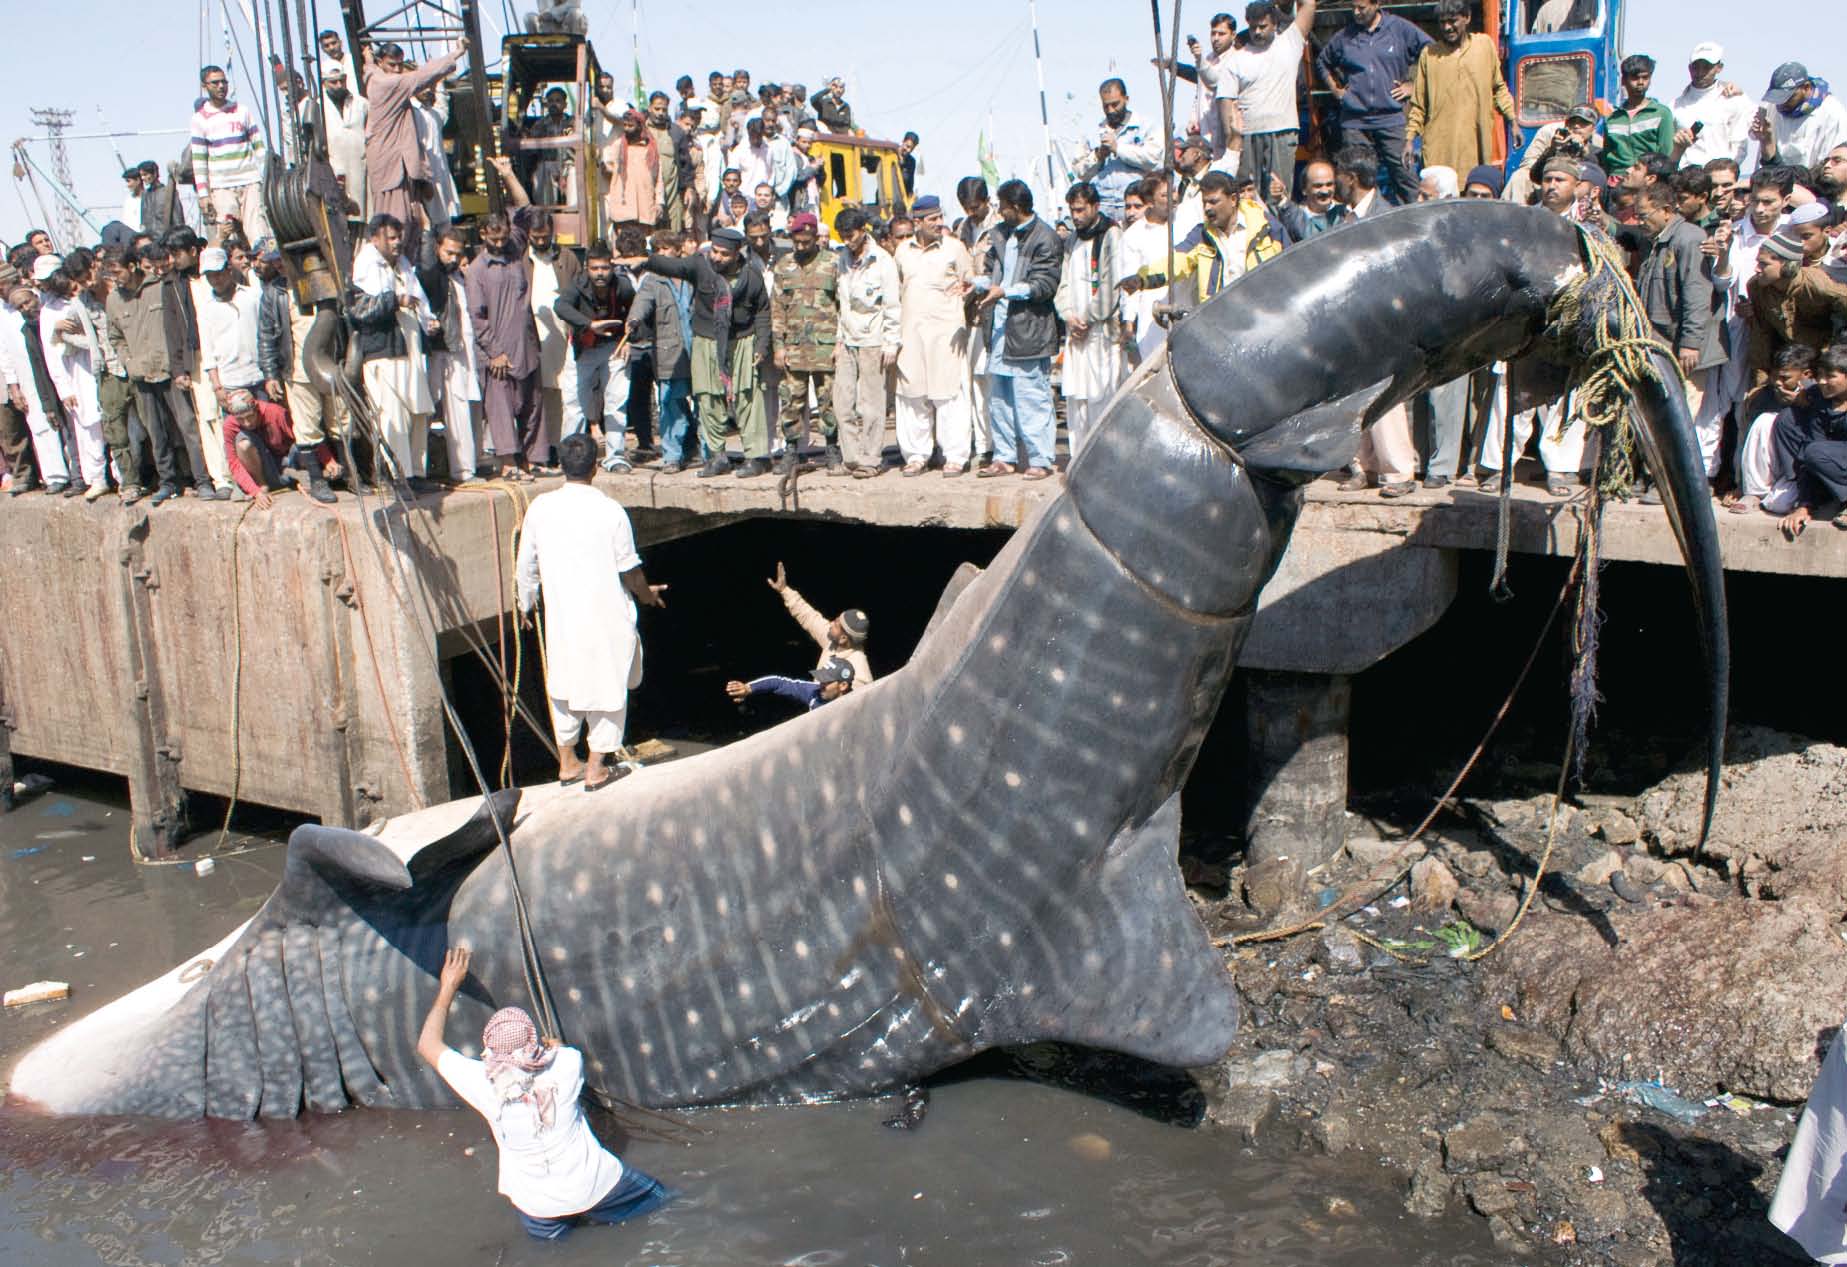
(227, 158)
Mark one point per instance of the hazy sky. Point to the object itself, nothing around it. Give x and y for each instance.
(949, 70)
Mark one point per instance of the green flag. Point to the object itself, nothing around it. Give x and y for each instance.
(984, 154)
(641, 88)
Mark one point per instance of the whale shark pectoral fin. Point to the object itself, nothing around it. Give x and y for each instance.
(964, 576)
(1308, 445)
(472, 838)
(1143, 974)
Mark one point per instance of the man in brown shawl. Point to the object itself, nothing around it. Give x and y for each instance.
(397, 175)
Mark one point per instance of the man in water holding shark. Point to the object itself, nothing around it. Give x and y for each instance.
(552, 1168)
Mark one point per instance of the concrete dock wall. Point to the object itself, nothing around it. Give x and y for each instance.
(121, 651)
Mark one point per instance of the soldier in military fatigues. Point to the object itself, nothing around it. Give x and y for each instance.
(805, 318)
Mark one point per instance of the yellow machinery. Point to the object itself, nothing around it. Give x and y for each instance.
(858, 172)
(563, 174)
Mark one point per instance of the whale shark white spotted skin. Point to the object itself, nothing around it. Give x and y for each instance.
(977, 850)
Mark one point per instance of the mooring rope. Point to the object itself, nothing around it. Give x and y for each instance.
(237, 679)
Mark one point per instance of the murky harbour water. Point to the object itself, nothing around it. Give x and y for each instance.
(1004, 1169)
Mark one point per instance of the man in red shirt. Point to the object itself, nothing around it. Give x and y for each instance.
(257, 440)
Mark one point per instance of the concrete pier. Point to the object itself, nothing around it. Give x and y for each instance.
(291, 657)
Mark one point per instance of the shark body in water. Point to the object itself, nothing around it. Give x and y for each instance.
(977, 850)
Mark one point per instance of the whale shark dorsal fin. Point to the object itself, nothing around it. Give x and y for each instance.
(963, 577)
(1144, 976)
(323, 867)
(1315, 441)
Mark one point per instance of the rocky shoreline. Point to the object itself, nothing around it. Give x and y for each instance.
(1617, 1082)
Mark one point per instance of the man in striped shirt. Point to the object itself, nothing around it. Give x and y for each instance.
(227, 159)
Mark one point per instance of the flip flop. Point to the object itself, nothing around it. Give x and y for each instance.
(575, 778)
(617, 773)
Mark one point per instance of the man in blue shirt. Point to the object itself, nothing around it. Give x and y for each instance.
(830, 682)
(1022, 331)
(1367, 65)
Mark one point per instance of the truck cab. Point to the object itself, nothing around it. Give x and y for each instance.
(1558, 54)
(1555, 54)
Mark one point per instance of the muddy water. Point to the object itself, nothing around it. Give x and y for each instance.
(1005, 1169)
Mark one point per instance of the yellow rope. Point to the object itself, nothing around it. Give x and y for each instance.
(1603, 310)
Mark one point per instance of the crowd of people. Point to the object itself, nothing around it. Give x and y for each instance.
(719, 302)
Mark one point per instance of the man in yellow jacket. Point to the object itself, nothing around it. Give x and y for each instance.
(1236, 236)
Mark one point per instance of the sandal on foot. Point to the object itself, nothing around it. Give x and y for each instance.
(993, 470)
(1038, 473)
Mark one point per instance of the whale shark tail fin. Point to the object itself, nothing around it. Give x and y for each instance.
(1144, 977)
(264, 1023)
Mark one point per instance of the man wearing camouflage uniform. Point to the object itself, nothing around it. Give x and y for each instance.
(805, 318)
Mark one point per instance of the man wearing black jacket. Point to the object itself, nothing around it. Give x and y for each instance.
(1021, 328)
(454, 374)
(594, 307)
(731, 317)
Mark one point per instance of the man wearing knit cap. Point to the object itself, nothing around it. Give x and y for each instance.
(935, 271)
(1793, 299)
(1808, 225)
(731, 335)
(805, 317)
(843, 636)
(1485, 181)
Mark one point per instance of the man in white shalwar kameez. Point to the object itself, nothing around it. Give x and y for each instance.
(1811, 1198)
(934, 272)
(1087, 303)
(1144, 246)
(577, 551)
(73, 360)
(430, 111)
(343, 116)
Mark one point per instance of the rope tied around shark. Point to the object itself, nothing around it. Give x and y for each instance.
(1598, 323)
(1598, 327)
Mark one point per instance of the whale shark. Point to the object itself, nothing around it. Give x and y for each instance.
(977, 850)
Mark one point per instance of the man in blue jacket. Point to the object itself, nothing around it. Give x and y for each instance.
(1367, 65)
(828, 683)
